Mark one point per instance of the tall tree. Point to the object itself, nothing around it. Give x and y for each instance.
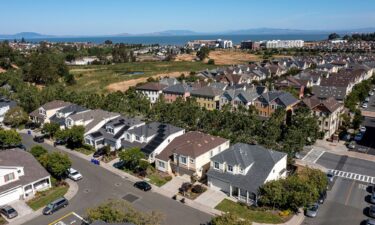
(15, 117)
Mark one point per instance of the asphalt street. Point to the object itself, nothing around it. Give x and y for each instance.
(99, 185)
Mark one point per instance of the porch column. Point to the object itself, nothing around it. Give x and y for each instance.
(247, 197)
(239, 193)
(49, 182)
(230, 190)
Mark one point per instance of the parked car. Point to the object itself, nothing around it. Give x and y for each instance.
(370, 222)
(322, 197)
(330, 176)
(367, 99)
(372, 197)
(371, 93)
(372, 188)
(55, 205)
(358, 137)
(143, 185)
(99, 152)
(31, 126)
(8, 211)
(351, 145)
(371, 211)
(39, 139)
(364, 105)
(312, 210)
(59, 142)
(362, 129)
(74, 174)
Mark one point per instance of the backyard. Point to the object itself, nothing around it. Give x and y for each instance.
(41, 199)
(251, 214)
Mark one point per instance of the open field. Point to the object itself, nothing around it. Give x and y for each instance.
(104, 78)
(223, 57)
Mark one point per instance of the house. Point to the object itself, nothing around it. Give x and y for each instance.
(268, 102)
(152, 138)
(245, 96)
(5, 105)
(112, 133)
(328, 112)
(21, 176)
(151, 90)
(92, 120)
(323, 92)
(190, 153)
(45, 112)
(173, 92)
(294, 83)
(240, 170)
(207, 97)
(63, 113)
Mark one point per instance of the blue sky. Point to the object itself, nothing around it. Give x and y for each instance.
(93, 17)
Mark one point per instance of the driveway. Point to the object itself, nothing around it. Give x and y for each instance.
(23, 210)
(211, 198)
(173, 185)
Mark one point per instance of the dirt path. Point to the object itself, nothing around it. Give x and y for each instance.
(124, 85)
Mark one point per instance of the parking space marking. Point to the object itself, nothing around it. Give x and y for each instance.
(353, 176)
(349, 193)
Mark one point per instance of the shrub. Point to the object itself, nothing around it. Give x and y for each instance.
(198, 189)
(37, 151)
(185, 187)
(211, 62)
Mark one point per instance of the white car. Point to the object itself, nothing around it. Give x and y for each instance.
(364, 105)
(362, 129)
(367, 99)
(371, 93)
(74, 174)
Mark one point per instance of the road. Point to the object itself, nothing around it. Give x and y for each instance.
(99, 185)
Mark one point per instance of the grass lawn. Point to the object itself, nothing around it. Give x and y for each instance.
(249, 214)
(2, 220)
(98, 77)
(84, 151)
(157, 179)
(43, 198)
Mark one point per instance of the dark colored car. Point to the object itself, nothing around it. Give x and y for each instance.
(143, 185)
(370, 222)
(119, 165)
(371, 211)
(59, 142)
(39, 139)
(322, 197)
(32, 126)
(9, 212)
(99, 152)
(55, 205)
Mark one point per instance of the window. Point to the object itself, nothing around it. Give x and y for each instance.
(216, 165)
(161, 164)
(326, 123)
(230, 168)
(128, 136)
(110, 130)
(191, 160)
(241, 170)
(137, 138)
(183, 159)
(9, 177)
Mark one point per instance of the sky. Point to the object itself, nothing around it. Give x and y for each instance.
(105, 17)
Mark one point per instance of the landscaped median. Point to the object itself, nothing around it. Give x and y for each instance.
(42, 198)
(253, 214)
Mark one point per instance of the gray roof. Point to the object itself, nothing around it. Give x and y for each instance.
(338, 93)
(74, 108)
(151, 129)
(96, 116)
(178, 89)
(260, 159)
(285, 97)
(32, 169)
(6, 102)
(169, 81)
(207, 92)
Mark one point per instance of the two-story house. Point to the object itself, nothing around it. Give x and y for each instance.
(21, 176)
(92, 120)
(112, 133)
(151, 90)
(63, 113)
(245, 96)
(190, 153)
(240, 170)
(45, 112)
(328, 111)
(152, 138)
(5, 105)
(207, 97)
(173, 92)
(268, 102)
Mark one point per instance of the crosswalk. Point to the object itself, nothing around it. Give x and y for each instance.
(353, 176)
(313, 155)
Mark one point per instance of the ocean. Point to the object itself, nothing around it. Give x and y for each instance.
(181, 40)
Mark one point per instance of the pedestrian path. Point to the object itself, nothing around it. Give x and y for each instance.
(353, 176)
(313, 155)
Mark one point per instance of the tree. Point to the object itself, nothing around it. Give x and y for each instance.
(211, 62)
(203, 53)
(38, 151)
(108, 42)
(119, 211)
(229, 219)
(15, 117)
(9, 138)
(56, 163)
(73, 136)
(333, 36)
(132, 157)
(50, 128)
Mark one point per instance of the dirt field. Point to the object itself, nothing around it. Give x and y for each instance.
(124, 85)
(223, 57)
(2, 70)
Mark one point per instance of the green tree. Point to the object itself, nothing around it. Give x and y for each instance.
(51, 129)
(203, 53)
(37, 151)
(10, 138)
(56, 163)
(132, 157)
(333, 36)
(229, 219)
(15, 117)
(211, 62)
(73, 136)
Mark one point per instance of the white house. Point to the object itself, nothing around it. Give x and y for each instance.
(45, 112)
(5, 105)
(240, 170)
(151, 90)
(21, 176)
(190, 153)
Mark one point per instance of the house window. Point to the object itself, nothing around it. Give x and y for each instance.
(191, 160)
(230, 168)
(9, 177)
(183, 159)
(128, 136)
(326, 123)
(161, 164)
(216, 165)
(137, 138)
(110, 130)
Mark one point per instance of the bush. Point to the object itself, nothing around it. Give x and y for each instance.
(198, 189)
(211, 62)
(185, 187)
(37, 151)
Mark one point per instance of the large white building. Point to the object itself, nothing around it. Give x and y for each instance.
(285, 44)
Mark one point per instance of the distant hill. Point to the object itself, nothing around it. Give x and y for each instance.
(171, 33)
(25, 35)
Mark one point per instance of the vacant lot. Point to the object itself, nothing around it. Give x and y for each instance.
(223, 57)
(104, 78)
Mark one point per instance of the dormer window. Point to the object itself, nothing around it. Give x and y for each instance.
(241, 170)
(137, 138)
(41, 111)
(216, 165)
(110, 130)
(9, 177)
(230, 168)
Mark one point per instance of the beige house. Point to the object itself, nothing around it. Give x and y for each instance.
(44, 113)
(190, 153)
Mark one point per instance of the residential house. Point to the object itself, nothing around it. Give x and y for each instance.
(268, 102)
(328, 112)
(92, 120)
(112, 133)
(63, 113)
(5, 105)
(152, 138)
(21, 176)
(240, 170)
(173, 92)
(45, 112)
(151, 90)
(207, 97)
(245, 96)
(190, 153)
(293, 83)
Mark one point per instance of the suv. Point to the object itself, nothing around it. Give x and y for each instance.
(55, 205)
(8, 211)
(371, 211)
(39, 139)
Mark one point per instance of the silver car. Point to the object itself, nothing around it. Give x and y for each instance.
(9, 212)
(371, 211)
(370, 222)
(312, 210)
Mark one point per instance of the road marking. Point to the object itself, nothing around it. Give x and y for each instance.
(353, 176)
(313, 155)
(362, 186)
(61, 218)
(349, 193)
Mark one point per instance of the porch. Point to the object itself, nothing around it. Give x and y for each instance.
(40, 185)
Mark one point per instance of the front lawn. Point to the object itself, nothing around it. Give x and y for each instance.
(2, 221)
(157, 179)
(84, 151)
(41, 199)
(251, 214)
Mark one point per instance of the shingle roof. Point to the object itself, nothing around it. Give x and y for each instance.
(338, 93)
(96, 116)
(178, 89)
(260, 159)
(206, 92)
(33, 171)
(55, 104)
(152, 86)
(285, 97)
(331, 104)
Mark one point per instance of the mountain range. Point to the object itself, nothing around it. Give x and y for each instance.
(253, 31)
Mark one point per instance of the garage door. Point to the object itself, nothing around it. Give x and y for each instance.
(219, 185)
(10, 196)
